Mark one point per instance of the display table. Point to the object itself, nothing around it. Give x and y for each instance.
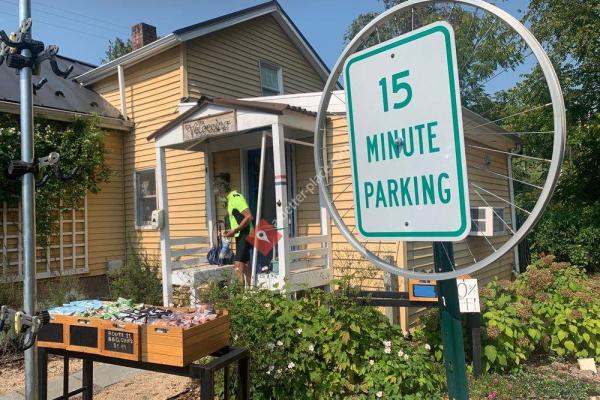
(224, 358)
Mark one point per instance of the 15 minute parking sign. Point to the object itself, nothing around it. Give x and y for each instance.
(406, 138)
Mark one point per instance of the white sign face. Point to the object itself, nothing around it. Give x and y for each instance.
(468, 295)
(406, 138)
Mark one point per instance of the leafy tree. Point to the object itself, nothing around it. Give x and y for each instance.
(484, 44)
(116, 49)
(568, 30)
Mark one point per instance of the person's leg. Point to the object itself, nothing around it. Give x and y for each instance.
(240, 270)
(248, 274)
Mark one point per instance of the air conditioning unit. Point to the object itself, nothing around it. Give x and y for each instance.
(487, 221)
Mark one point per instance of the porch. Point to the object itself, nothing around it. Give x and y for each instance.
(266, 150)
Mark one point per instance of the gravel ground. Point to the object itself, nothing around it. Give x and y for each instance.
(12, 372)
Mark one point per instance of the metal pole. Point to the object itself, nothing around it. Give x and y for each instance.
(261, 173)
(452, 337)
(28, 203)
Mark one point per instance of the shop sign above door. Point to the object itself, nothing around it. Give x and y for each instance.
(212, 125)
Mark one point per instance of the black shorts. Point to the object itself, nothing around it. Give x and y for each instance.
(242, 248)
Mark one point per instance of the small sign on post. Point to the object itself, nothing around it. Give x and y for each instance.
(406, 138)
(468, 295)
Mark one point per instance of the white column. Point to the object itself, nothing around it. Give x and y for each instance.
(165, 245)
(209, 197)
(281, 199)
(259, 201)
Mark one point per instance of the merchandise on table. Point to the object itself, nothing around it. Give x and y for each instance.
(126, 311)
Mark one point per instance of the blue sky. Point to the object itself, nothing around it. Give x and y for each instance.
(82, 28)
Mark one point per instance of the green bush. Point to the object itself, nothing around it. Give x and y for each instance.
(571, 236)
(325, 346)
(138, 279)
(551, 310)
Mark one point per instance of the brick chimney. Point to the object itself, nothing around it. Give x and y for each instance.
(142, 34)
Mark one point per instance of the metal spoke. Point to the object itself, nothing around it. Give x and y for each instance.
(505, 69)
(469, 248)
(484, 236)
(507, 133)
(474, 49)
(500, 198)
(512, 115)
(494, 211)
(508, 152)
(506, 176)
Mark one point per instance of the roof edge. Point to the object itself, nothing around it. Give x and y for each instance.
(56, 114)
(134, 57)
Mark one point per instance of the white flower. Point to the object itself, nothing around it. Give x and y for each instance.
(387, 350)
(427, 346)
(291, 365)
(278, 371)
(405, 333)
(265, 268)
(400, 353)
(268, 305)
(279, 343)
(387, 343)
(311, 347)
(380, 394)
(406, 357)
(371, 362)
(299, 331)
(271, 346)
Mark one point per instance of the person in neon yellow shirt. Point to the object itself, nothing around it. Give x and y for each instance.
(240, 222)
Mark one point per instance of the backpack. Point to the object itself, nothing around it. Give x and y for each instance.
(219, 254)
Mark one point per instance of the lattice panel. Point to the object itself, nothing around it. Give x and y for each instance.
(65, 254)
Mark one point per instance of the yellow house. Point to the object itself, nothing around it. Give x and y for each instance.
(224, 97)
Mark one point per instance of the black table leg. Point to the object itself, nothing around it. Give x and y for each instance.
(88, 379)
(207, 384)
(244, 378)
(43, 373)
(226, 383)
(66, 377)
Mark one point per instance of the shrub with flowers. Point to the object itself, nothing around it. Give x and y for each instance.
(551, 310)
(325, 346)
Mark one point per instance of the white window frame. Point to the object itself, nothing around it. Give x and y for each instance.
(279, 70)
(490, 216)
(148, 226)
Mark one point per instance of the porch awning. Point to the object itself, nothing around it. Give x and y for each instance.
(212, 117)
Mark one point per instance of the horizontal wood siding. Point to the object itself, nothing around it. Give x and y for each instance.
(153, 92)
(226, 63)
(106, 212)
(307, 207)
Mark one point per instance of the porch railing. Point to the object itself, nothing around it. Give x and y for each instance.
(189, 251)
(309, 252)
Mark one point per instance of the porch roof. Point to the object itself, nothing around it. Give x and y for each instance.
(259, 107)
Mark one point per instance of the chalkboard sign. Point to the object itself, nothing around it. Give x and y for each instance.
(83, 336)
(51, 333)
(118, 341)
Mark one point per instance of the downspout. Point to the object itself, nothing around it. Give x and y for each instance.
(513, 211)
(121, 77)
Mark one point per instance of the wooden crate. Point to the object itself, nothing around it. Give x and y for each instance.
(120, 339)
(176, 346)
(84, 334)
(54, 334)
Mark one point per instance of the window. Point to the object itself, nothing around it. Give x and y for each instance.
(145, 196)
(487, 221)
(270, 79)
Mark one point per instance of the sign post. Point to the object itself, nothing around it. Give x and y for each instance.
(408, 159)
(452, 335)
